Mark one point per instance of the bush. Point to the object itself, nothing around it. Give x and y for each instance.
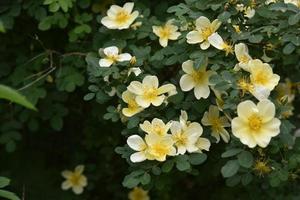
(167, 99)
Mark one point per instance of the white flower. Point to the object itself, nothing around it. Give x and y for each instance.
(166, 32)
(148, 92)
(216, 40)
(212, 118)
(120, 17)
(261, 74)
(112, 56)
(137, 143)
(204, 29)
(195, 79)
(75, 180)
(132, 108)
(186, 135)
(157, 126)
(242, 54)
(255, 124)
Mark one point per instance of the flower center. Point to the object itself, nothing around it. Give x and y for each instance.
(198, 77)
(216, 125)
(74, 179)
(159, 130)
(165, 32)
(159, 150)
(122, 17)
(255, 122)
(112, 57)
(261, 78)
(206, 32)
(180, 140)
(151, 93)
(132, 104)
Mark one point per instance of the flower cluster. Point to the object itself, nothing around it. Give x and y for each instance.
(158, 143)
(255, 124)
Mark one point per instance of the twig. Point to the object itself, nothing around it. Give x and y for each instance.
(38, 79)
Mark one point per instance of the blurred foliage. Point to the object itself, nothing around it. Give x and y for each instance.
(49, 53)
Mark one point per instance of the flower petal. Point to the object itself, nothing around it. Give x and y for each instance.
(266, 110)
(124, 57)
(103, 62)
(201, 91)
(216, 40)
(136, 143)
(204, 45)
(194, 37)
(246, 109)
(186, 83)
(138, 157)
(113, 50)
(128, 6)
(66, 185)
(151, 81)
(136, 88)
(202, 22)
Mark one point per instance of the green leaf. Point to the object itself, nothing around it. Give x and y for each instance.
(223, 17)
(197, 158)
(89, 96)
(231, 152)
(294, 19)
(167, 166)
(245, 159)
(288, 49)
(145, 179)
(233, 181)
(182, 163)
(246, 179)
(255, 38)
(14, 96)
(8, 195)
(201, 62)
(4, 182)
(230, 168)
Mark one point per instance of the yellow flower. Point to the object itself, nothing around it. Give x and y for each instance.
(216, 40)
(295, 2)
(262, 74)
(157, 126)
(204, 29)
(75, 180)
(195, 79)
(160, 147)
(148, 92)
(120, 17)
(255, 124)
(217, 123)
(138, 194)
(133, 108)
(261, 167)
(242, 55)
(166, 33)
(137, 143)
(186, 136)
(112, 56)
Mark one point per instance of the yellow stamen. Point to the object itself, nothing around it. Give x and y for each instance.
(122, 17)
(255, 122)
